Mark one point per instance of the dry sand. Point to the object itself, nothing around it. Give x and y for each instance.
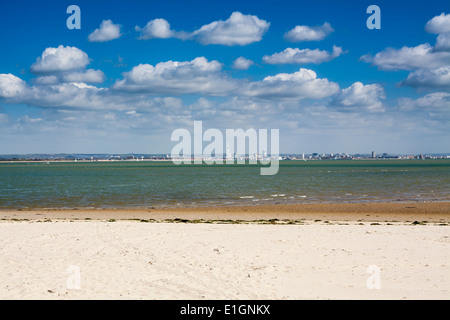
(310, 259)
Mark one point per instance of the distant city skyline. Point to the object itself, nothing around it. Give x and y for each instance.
(164, 156)
(137, 70)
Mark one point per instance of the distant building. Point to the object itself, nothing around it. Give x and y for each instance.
(373, 154)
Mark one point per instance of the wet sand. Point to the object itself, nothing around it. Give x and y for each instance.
(377, 212)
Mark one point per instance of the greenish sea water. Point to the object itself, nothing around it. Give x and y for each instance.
(163, 184)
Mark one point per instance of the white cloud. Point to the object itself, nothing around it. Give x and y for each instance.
(429, 65)
(434, 106)
(443, 42)
(64, 64)
(302, 84)
(303, 56)
(238, 29)
(81, 96)
(434, 78)
(423, 56)
(133, 113)
(43, 80)
(306, 33)
(174, 77)
(198, 76)
(90, 75)
(242, 63)
(28, 119)
(60, 59)
(360, 98)
(436, 101)
(409, 58)
(108, 31)
(12, 86)
(157, 28)
(439, 24)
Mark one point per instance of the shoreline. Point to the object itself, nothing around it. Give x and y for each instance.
(437, 212)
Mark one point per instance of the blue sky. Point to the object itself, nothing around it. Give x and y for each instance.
(311, 69)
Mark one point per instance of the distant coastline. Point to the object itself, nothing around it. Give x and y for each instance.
(168, 159)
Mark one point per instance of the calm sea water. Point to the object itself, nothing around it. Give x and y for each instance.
(163, 184)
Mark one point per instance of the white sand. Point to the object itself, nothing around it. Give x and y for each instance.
(134, 260)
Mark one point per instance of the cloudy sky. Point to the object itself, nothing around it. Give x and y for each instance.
(137, 70)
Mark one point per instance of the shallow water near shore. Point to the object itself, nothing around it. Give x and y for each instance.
(163, 184)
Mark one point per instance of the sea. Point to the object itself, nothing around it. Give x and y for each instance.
(162, 184)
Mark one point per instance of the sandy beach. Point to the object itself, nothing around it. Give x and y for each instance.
(329, 251)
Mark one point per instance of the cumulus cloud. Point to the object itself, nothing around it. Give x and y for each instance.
(46, 80)
(439, 24)
(360, 98)
(108, 31)
(242, 63)
(436, 101)
(135, 90)
(90, 75)
(12, 86)
(299, 85)
(421, 57)
(306, 33)
(303, 56)
(434, 78)
(174, 77)
(78, 96)
(409, 58)
(443, 42)
(238, 29)
(429, 65)
(64, 64)
(157, 28)
(434, 106)
(60, 59)
(45, 95)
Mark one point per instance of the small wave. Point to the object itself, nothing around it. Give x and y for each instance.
(247, 197)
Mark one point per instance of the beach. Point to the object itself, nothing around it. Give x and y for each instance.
(320, 251)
